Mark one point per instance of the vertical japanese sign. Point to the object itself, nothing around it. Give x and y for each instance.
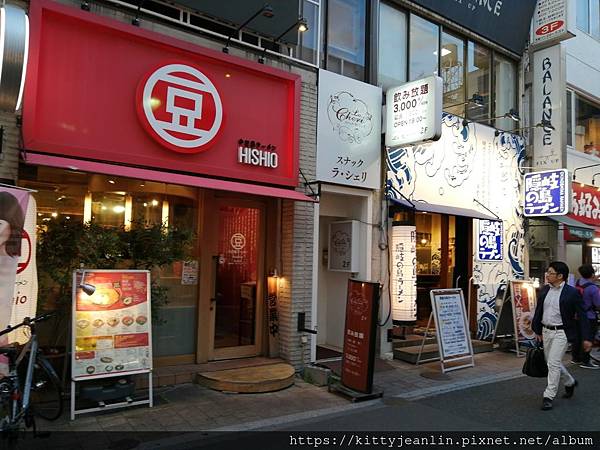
(362, 304)
(273, 316)
(546, 193)
(524, 301)
(13, 207)
(550, 22)
(549, 108)
(586, 204)
(348, 131)
(414, 112)
(490, 240)
(403, 270)
(111, 331)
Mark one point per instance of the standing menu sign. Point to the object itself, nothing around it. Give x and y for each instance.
(452, 329)
(523, 301)
(111, 329)
(358, 359)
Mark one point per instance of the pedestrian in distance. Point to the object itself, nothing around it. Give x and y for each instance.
(591, 305)
(556, 323)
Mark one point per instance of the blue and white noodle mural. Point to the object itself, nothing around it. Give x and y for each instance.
(468, 164)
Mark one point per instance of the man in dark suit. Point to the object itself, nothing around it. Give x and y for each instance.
(556, 323)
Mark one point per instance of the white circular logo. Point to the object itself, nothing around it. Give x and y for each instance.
(238, 241)
(180, 107)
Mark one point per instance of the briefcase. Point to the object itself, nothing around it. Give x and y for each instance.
(535, 363)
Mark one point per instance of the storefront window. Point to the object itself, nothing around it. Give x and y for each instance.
(478, 79)
(505, 90)
(346, 25)
(587, 126)
(424, 40)
(429, 243)
(453, 74)
(392, 47)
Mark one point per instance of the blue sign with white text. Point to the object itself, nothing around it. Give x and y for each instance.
(490, 245)
(546, 193)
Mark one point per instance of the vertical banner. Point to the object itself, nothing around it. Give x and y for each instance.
(549, 105)
(26, 284)
(13, 206)
(403, 270)
(362, 304)
(273, 315)
(490, 240)
(523, 301)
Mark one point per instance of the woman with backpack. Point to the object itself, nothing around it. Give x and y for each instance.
(591, 304)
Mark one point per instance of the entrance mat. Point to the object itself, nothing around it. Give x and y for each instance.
(326, 353)
(336, 366)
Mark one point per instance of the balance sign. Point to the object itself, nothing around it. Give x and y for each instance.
(180, 108)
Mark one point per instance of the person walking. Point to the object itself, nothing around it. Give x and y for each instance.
(591, 306)
(555, 324)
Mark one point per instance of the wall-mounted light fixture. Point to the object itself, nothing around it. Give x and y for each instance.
(266, 11)
(301, 24)
(136, 20)
(14, 49)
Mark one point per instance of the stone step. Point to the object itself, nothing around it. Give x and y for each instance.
(412, 340)
(257, 379)
(410, 354)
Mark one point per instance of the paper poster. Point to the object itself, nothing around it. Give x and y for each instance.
(189, 273)
(111, 327)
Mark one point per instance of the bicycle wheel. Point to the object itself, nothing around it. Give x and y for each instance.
(46, 394)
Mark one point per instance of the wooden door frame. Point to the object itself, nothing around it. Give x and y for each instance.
(212, 202)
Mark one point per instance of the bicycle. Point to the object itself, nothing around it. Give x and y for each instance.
(31, 390)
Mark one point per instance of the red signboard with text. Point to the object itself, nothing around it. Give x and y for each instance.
(358, 359)
(104, 90)
(586, 204)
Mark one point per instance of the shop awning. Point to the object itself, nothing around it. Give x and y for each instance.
(575, 227)
(443, 209)
(164, 177)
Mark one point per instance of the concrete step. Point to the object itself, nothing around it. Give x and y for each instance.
(265, 378)
(412, 340)
(410, 354)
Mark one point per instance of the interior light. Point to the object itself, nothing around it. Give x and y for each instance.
(145, 204)
(111, 181)
(118, 209)
(597, 239)
(227, 75)
(423, 241)
(582, 184)
(68, 217)
(154, 202)
(40, 214)
(103, 208)
(54, 214)
(142, 185)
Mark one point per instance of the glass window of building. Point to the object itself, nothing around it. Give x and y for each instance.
(569, 119)
(478, 79)
(583, 15)
(595, 18)
(505, 90)
(423, 52)
(452, 69)
(587, 126)
(346, 25)
(392, 47)
(308, 40)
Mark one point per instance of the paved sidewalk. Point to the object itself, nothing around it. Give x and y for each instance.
(190, 407)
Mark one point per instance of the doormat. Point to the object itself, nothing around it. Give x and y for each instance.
(326, 353)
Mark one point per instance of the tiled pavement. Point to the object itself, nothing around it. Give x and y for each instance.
(190, 407)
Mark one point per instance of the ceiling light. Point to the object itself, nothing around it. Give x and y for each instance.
(154, 202)
(118, 209)
(54, 214)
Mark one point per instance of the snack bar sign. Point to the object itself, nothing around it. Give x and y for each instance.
(111, 327)
(546, 193)
(414, 112)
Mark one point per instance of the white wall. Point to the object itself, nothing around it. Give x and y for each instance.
(583, 63)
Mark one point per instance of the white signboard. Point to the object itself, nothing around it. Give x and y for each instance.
(549, 105)
(343, 246)
(451, 323)
(348, 132)
(111, 331)
(550, 22)
(403, 270)
(414, 112)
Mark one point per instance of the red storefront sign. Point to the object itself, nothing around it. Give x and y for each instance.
(103, 90)
(586, 204)
(358, 359)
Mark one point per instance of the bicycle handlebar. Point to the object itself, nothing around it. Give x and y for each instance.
(27, 321)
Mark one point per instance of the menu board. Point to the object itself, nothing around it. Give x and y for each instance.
(523, 295)
(111, 330)
(452, 329)
(362, 303)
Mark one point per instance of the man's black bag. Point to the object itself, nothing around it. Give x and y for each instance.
(535, 363)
